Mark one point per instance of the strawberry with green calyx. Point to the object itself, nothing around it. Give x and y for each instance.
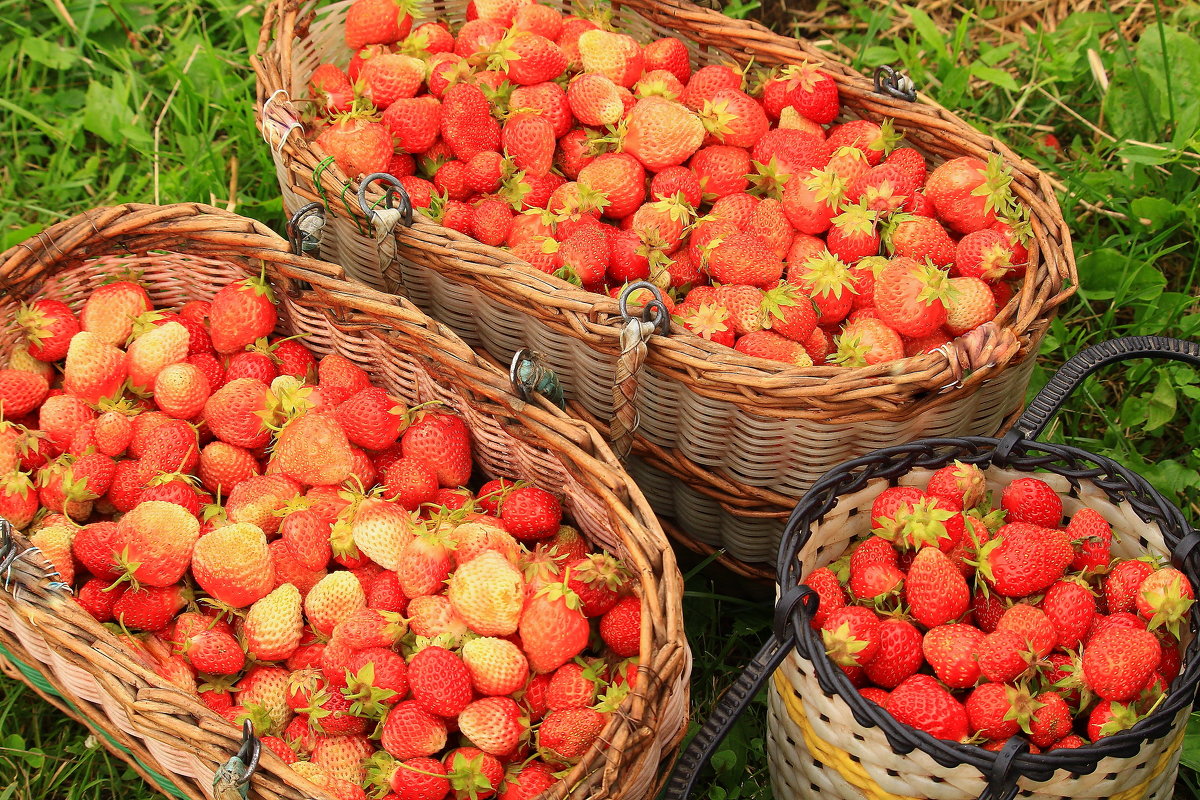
(998, 711)
(851, 636)
(918, 238)
(874, 140)
(968, 194)
(828, 281)
(48, 326)
(1118, 662)
(473, 774)
(922, 522)
(865, 342)
(552, 627)
(813, 93)
(1164, 598)
(1109, 717)
(420, 777)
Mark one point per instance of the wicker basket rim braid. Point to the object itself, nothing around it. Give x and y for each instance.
(797, 602)
(203, 231)
(712, 370)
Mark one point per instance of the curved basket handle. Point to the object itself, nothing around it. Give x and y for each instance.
(1070, 375)
(731, 706)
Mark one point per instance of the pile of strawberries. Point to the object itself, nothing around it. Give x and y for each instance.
(299, 548)
(605, 161)
(977, 625)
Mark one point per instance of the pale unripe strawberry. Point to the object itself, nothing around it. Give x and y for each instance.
(333, 599)
(55, 543)
(154, 542)
(487, 592)
(274, 624)
(433, 615)
(497, 666)
(475, 538)
(381, 530)
(181, 390)
(155, 349)
(233, 564)
(313, 450)
(493, 724)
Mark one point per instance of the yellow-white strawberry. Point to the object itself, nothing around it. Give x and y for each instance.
(488, 592)
(474, 538)
(233, 564)
(156, 348)
(333, 599)
(381, 530)
(55, 543)
(497, 666)
(273, 625)
(313, 450)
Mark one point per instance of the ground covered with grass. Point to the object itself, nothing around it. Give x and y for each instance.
(152, 101)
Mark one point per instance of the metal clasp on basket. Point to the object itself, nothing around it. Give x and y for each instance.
(305, 227)
(528, 375)
(893, 83)
(635, 332)
(232, 779)
(397, 207)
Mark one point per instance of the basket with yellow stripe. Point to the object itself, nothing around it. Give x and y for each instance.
(826, 739)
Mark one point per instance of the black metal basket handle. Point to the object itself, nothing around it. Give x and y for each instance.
(1071, 375)
(794, 608)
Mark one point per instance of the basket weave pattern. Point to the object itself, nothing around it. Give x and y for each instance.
(415, 359)
(738, 431)
(815, 743)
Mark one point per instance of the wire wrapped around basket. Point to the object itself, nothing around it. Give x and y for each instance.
(188, 251)
(837, 510)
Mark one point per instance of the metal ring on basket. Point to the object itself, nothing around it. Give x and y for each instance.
(1003, 769)
(232, 779)
(394, 189)
(893, 83)
(305, 227)
(635, 332)
(528, 375)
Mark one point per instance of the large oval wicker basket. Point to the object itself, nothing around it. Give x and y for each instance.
(186, 252)
(727, 442)
(824, 736)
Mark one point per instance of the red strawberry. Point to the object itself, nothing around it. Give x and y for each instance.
(813, 93)
(851, 635)
(48, 326)
(1092, 536)
(376, 22)
(968, 193)
(443, 441)
(149, 608)
(21, 392)
(910, 298)
(1122, 584)
(1033, 501)
(1051, 721)
(899, 656)
(241, 313)
(935, 590)
(1022, 559)
(1117, 663)
(467, 123)
(239, 411)
(552, 628)
(1164, 598)
(722, 170)
(1002, 655)
(920, 701)
(950, 650)
(330, 87)
(358, 146)
(670, 54)
(744, 258)
(215, 653)
(388, 77)
(706, 81)
(565, 736)
(919, 238)
(620, 627)
(439, 681)
(1071, 607)
(995, 711)
(1033, 626)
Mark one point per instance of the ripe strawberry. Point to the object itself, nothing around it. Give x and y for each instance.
(488, 593)
(1122, 584)
(233, 565)
(333, 599)
(564, 737)
(215, 653)
(542, 20)
(828, 281)
(439, 681)
(770, 345)
(950, 650)
(621, 627)
(1117, 663)
(256, 499)
(935, 590)
(670, 54)
(595, 100)
(418, 778)
(995, 711)
(733, 117)
(330, 88)
(619, 178)
(497, 666)
(18, 499)
(1036, 630)
(110, 310)
(273, 626)
(813, 93)
(706, 81)
(1023, 559)
(744, 258)
(443, 441)
(910, 298)
(493, 724)
(376, 22)
(48, 326)
(1071, 607)
(851, 635)
(599, 580)
(919, 238)
(1092, 536)
(1164, 598)
(223, 466)
(676, 182)
(241, 313)
(21, 392)
(1051, 721)
(306, 536)
(722, 169)
(1108, 718)
(239, 411)
(968, 193)
(1033, 501)
(552, 628)
(149, 608)
(865, 342)
(899, 655)
(313, 450)
(984, 254)
(425, 562)
(467, 124)
(358, 146)
(662, 133)
(920, 701)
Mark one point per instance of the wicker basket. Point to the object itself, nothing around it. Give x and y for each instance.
(787, 426)
(185, 252)
(823, 736)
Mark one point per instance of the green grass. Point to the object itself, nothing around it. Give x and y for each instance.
(152, 101)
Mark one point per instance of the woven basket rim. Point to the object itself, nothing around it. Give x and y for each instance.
(930, 454)
(25, 269)
(1024, 318)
